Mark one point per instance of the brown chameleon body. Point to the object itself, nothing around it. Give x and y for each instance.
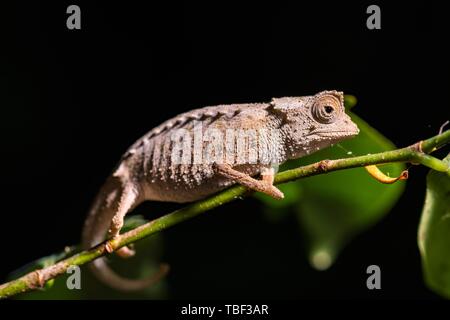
(300, 125)
(161, 181)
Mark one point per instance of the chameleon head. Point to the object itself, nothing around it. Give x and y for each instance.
(312, 123)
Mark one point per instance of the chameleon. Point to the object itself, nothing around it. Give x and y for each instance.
(150, 170)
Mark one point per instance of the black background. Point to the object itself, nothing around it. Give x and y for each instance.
(72, 101)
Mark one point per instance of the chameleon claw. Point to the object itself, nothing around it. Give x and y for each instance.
(109, 247)
(275, 193)
(39, 279)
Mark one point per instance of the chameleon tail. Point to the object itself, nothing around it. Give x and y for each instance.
(98, 222)
(105, 274)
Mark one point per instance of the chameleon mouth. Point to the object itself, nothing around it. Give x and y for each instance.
(334, 133)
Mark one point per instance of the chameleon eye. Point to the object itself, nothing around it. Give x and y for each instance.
(326, 109)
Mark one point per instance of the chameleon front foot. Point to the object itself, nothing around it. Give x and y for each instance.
(264, 186)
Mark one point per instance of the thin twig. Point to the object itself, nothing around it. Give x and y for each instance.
(414, 154)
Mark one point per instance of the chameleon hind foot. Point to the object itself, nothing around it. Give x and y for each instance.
(124, 252)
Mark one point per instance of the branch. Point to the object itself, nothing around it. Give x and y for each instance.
(416, 154)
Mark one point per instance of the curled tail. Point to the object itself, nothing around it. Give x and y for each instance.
(105, 274)
(116, 198)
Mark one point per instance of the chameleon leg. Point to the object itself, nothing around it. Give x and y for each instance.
(126, 203)
(264, 186)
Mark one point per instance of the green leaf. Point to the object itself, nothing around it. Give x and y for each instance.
(349, 101)
(434, 232)
(334, 207)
